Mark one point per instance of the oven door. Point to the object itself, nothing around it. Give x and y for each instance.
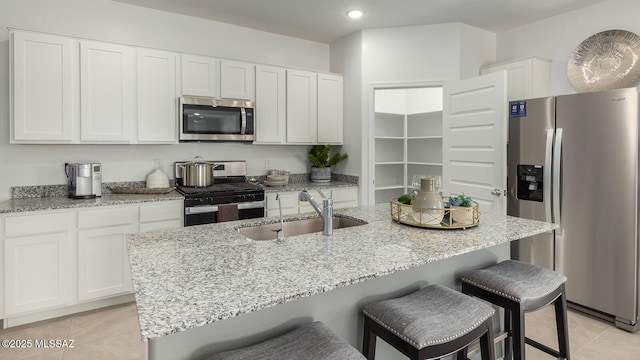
(208, 214)
(211, 119)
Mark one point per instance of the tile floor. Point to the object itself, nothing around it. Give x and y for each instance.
(113, 333)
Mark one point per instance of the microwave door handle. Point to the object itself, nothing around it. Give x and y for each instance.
(243, 126)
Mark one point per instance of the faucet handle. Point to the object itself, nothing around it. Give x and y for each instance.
(322, 194)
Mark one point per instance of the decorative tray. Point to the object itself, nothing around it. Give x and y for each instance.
(140, 190)
(446, 218)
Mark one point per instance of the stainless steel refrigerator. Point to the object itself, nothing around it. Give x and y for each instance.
(573, 160)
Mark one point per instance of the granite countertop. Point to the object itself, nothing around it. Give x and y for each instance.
(17, 205)
(187, 278)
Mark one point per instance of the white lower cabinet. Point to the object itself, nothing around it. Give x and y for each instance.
(289, 201)
(73, 257)
(163, 215)
(36, 272)
(37, 264)
(103, 263)
(341, 197)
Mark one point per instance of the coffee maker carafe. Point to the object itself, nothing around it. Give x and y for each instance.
(84, 180)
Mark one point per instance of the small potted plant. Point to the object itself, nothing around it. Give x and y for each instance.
(322, 161)
(461, 209)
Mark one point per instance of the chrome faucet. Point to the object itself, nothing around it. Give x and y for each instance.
(280, 233)
(326, 212)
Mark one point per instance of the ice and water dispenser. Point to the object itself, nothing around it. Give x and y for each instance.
(530, 185)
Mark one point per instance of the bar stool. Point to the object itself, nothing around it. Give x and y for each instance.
(430, 323)
(310, 341)
(520, 287)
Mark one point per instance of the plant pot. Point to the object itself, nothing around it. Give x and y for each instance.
(462, 215)
(322, 175)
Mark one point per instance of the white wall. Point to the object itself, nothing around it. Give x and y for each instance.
(555, 38)
(346, 59)
(407, 56)
(112, 21)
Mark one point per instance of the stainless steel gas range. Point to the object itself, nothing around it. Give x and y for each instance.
(230, 197)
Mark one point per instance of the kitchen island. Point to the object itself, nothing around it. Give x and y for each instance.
(204, 289)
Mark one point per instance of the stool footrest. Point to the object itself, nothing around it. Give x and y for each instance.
(543, 347)
(476, 348)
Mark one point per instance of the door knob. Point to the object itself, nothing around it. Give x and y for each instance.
(496, 192)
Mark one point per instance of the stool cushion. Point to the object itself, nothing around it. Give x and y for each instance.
(516, 280)
(431, 316)
(310, 341)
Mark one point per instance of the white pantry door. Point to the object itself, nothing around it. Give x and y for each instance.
(475, 140)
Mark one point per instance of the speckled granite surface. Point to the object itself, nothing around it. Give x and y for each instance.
(186, 278)
(54, 203)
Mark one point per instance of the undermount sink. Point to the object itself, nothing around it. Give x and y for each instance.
(296, 227)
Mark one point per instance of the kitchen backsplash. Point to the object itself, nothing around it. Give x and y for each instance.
(37, 191)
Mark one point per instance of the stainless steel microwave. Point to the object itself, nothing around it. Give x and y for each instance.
(209, 119)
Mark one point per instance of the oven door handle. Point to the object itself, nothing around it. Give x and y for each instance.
(214, 208)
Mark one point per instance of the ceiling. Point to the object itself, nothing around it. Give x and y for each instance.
(325, 20)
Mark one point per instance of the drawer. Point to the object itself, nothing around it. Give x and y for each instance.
(345, 195)
(285, 211)
(161, 212)
(36, 224)
(289, 200)
(107, 217)
(161, 225)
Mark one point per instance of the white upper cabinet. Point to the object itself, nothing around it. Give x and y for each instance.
(200, 76)
(107, 99)
(157, 96)
(79, 91)
(271, 117)
(526, 79)
(330, 109)
(302, 107)
(43, 83)
(237, 80)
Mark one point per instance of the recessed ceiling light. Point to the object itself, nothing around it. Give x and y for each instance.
(355, 14)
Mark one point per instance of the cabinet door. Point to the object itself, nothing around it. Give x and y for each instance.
(271, 113)
(103, 262)
(329, 109)
(200, 76)
(528, 78)
(106, 92)
(237, 80)
(302, 107)
(36, 272)
(157, 96)
(43, 103)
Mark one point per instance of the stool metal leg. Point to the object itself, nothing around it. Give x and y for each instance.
(507, 341)
(486, 342)
(368, 341)
(518, 333)
(562, 324)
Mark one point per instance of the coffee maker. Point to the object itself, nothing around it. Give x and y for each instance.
(84, 180)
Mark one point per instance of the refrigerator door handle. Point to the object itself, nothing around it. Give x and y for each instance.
(546, 177)
(557, 157)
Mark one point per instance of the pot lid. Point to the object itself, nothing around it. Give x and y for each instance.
(604, 61)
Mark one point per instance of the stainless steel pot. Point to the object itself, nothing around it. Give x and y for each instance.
(198, 173)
